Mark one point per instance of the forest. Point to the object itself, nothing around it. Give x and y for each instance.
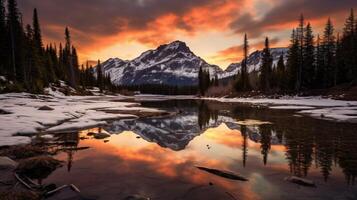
(26, 64)
(314, 62)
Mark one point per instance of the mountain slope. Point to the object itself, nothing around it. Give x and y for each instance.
(254, 61)
(175, 64)
(170, 64)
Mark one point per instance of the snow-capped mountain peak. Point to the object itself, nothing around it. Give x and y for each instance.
(170, 64)
(175, 64)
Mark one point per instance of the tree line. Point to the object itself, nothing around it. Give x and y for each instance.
(205, 81)
(161, 89)
(29, 65)
(313, 62)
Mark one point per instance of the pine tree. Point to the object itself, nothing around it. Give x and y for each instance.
(16, 38)
(37, 32)
(200, 81)
(329, 54)
(340, 69)
(245, 85)
(266, 68)
(99, 76)
(3, 40)
(300, 32)
(349, 50)
(75, 64)
(68, 60)
(204, 80)
(319, 69)
(308, 58)
(293, 62)
(281, 74)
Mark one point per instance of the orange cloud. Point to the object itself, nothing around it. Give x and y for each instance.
(234, 54)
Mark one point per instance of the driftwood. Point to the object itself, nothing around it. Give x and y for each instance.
(300, 181)
(224, 174)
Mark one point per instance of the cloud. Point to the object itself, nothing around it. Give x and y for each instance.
(95, 19)
(235, 53)
(285, 13)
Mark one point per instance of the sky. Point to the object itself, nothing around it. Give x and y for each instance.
(213, 29)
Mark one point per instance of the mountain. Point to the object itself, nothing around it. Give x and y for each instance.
(174, 64)
(254, 61)
(170, 64)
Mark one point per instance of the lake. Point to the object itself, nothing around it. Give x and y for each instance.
(158, 157)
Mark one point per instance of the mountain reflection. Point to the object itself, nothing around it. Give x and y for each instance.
(299, 144)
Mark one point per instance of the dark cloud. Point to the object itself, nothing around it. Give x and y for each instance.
(288, 11)
(106, 17)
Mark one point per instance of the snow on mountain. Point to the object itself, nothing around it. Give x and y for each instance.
(174, 64)
(254, 62)
(171, 64)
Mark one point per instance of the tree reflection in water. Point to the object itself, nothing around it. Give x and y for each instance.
(308, 142)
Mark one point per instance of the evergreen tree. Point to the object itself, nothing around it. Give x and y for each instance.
(329, 49)
(340, 69)
(348, 71)
(300, 33)
(75, 64)
(244, 71)
(68, 60)
(37, 32)
(204, 80)
(281, 74)
(3, 40)
(99, 76)
(266, 68)
(308, 58)
(16, 39)
(319, 69)
(293, 62)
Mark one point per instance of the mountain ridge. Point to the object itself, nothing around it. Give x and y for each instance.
(173, 64)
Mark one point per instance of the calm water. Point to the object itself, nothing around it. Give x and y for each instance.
(157, 157)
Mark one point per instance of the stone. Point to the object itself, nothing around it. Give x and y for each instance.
(39, 167)
(45, 108)
(101, 135)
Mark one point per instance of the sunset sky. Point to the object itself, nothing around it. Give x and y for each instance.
(213, 29)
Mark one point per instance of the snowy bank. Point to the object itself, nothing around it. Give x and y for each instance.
(317, 107)
(20, 114)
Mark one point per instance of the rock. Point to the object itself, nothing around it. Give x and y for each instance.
(101, 135)
(4, 112)
(23, 151)
(45, 108)
(39, 167)
(7, 163)
(90, 133)
(136, 197)
(224, 174)
(300, 181)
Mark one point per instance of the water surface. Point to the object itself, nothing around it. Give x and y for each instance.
(157, 157)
